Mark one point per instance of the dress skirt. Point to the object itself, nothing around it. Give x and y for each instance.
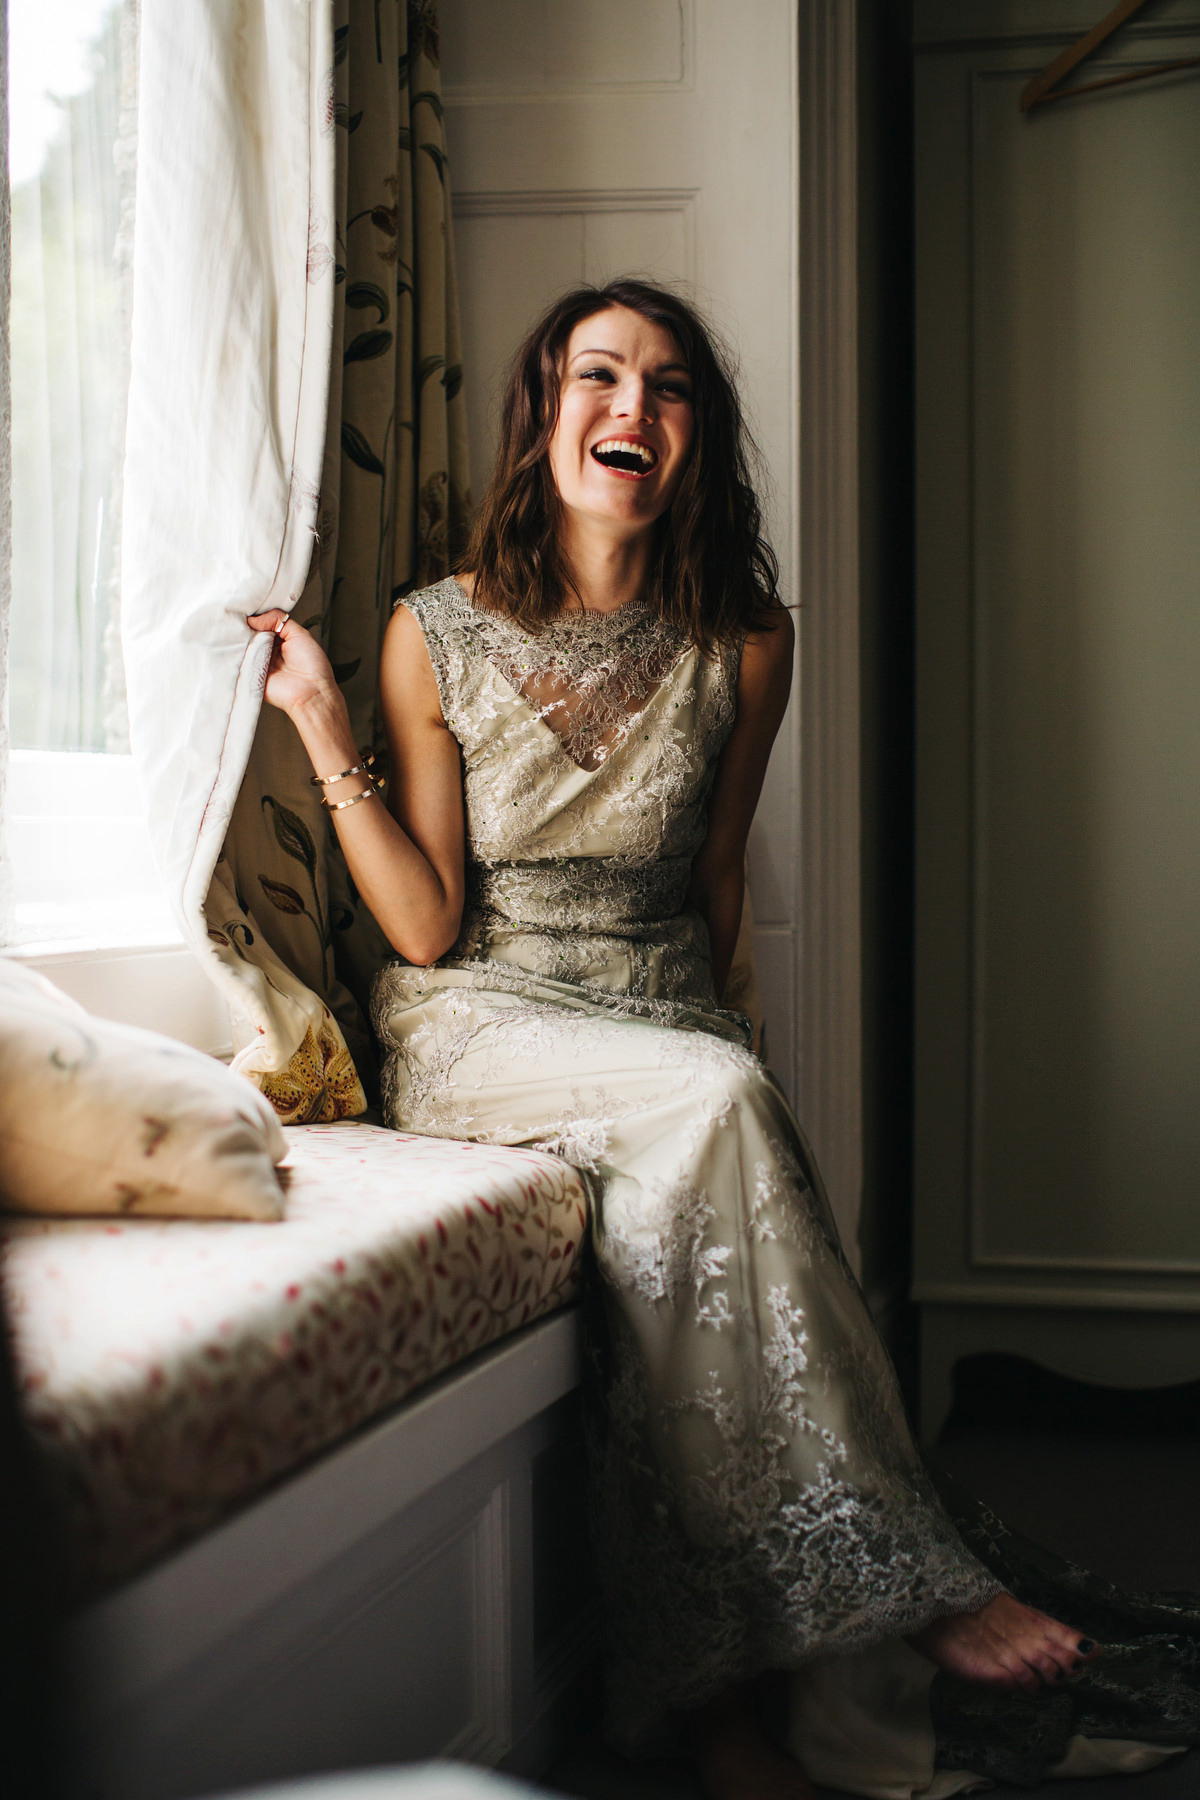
(758, 1498)
(757, 1501)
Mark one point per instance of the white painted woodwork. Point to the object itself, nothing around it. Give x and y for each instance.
(160, 988)
(1120, 1347)
(829, 1085)
(655, 137)
(379, 1606)
(1058, 954)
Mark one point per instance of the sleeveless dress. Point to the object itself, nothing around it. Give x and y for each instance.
(758, 1499)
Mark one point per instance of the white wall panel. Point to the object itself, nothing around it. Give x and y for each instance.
(638, 242)
(530, 46)
(508, 263)
(621, 139)
(655, 137)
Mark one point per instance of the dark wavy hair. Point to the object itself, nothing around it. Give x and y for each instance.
(711, 572)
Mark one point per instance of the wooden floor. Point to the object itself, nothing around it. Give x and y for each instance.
(1127, 1509)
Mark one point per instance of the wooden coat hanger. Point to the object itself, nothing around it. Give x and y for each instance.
(1044, 87)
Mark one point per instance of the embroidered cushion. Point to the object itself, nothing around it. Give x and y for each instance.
(170, 1371)
(103, 1118)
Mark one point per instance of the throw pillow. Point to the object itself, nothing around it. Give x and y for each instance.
(97, 1117)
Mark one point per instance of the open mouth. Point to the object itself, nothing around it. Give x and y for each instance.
(625, 456)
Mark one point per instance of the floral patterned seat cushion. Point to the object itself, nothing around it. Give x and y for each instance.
(171, 1369)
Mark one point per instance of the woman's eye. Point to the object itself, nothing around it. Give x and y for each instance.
(596, 375)
(675, 389)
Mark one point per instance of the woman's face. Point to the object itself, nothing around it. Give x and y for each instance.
(625, 423)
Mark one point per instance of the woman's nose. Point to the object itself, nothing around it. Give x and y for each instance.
(634, 399)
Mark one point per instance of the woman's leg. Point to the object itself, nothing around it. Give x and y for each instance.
(759, 1498)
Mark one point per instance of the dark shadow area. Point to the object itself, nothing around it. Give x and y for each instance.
(590, 1772)
(997, 1392)
(1107, 1477)
(886, 565)
(34, 1706)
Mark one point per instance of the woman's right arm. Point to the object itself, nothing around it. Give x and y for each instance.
(406, 859)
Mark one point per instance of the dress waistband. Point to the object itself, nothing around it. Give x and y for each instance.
(581, 894)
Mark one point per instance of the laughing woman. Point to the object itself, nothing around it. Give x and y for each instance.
(579, 727)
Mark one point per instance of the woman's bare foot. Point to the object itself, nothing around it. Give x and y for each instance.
(1005, 1645)
(737, 1761)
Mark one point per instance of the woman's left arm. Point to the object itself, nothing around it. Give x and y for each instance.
(718, 873)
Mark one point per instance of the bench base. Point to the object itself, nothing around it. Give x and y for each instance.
(422, 1591)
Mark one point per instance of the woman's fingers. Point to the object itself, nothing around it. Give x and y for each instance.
(298, 670)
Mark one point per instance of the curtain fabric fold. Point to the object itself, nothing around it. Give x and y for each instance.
(293, 265)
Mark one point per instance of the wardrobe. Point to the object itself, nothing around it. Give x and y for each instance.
(1057, 1074)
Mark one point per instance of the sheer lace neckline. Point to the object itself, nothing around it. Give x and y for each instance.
(586, 675)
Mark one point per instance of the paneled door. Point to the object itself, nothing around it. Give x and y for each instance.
(1058, 903)
(654, 137)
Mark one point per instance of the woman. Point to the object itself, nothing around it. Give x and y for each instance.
(578, 729)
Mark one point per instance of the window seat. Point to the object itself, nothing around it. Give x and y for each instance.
(173, 1370)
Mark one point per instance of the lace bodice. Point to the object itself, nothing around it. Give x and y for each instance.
(592, 741)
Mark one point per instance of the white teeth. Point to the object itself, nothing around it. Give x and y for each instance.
(629, 447)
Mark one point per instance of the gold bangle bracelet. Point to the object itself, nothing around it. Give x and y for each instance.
(367, 793)
(363, 768)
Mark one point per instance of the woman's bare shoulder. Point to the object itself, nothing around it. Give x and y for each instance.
(773, 643)
(767, 658)
(406, 673)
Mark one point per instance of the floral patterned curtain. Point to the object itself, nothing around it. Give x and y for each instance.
(282, 910)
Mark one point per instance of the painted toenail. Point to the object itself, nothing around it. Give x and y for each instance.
(1086, 1646)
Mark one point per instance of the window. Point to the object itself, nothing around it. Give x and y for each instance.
(83, 872)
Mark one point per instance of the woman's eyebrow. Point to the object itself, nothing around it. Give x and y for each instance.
(615, 356)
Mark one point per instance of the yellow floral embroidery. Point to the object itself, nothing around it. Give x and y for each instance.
(320, 1083)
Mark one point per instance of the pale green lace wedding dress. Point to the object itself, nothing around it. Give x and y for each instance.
(759, 1498)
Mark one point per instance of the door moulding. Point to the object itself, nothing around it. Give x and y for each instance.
(829, 1073)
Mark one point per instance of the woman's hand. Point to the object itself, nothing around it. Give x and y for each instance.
(299, 671)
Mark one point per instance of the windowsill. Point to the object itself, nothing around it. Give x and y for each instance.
(157, 987)
(89, 911)
(100, 928)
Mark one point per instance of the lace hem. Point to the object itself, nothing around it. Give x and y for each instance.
(833, 1571)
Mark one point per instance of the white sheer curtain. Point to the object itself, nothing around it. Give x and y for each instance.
(69, 330)
(79, 856)
(5, 490)
(232, 312)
